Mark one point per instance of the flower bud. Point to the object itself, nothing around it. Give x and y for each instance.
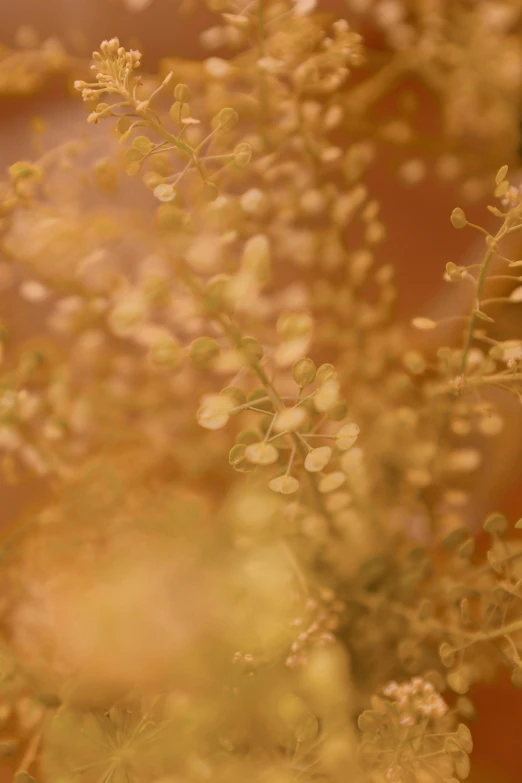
(226, 119)
(458, 218)
(243, 154)
(304, 372)
(182, 93)
(347, 436)
(203, 351)
(286, 485)
(261, 453)
(317, 459)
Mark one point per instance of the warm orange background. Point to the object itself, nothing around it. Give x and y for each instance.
(420, 242)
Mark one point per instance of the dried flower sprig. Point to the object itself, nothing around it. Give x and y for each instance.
(249, 314)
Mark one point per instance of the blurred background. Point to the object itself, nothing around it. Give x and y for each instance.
(420, 238)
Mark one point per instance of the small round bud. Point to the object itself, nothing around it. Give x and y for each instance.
(502, 189)
(415, 362)
(216, 293)
(227, 119)
(179, 112)
(332, 481)
(447, 654)
(325, 372)
(291, 325)
(166, 354)
(208, 192)
(164, 192)
(327, 395)
(151, 180)
(289, 419)
(242, 154)
(203, 351)
(261, 453)
(142, 144)
(454, 272)
(338, 411)
(170, 217)
(214, 411)
(236, 394)
(252, 350)
(458, 218)
(495, 524)
(123, 125)
(103, 110)
(286, 485)
(347, 436)
(501, 175)
(317, 459)
(304, 372)
(160, 163)
(182, 93)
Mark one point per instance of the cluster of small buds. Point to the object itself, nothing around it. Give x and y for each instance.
(512, 197)
(415, 699)
(318, 628)
(113, 65)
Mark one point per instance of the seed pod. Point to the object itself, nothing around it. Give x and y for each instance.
(203, 351)
(286, 485)
(458, 218)
(182, 93)
(227, 119)
(261, 453)
(317, 459)
(304, 372)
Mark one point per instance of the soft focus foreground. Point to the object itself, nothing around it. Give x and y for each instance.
(252, 548)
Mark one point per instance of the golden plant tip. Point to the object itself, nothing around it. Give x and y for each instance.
(289, 419)
(227, 119)
(181, 93)
(317, 459)
(164, 192)
(347, 436)
(331, 482)
(458, 218)
(285, 485)
(243, 154)
(501, 174)
(304, 372)
(502, 189)
(327, 395)
(214, 411)
(208, 192)
(261, 453)
(203, 351)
